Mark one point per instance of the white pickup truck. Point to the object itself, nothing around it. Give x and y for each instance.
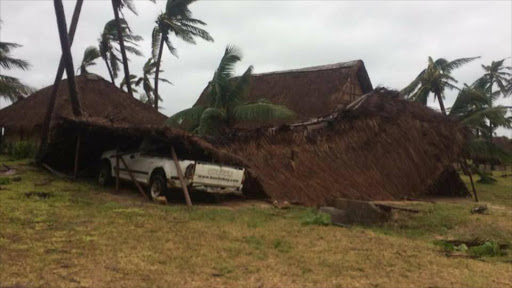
(159, 173)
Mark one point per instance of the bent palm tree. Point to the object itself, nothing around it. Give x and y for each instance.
(91, 53)
(107, 46)
(494, 74)
(11, 88)
(117, 6)
(176, 20)
(434, 79)
(474, 109)
(226, 105)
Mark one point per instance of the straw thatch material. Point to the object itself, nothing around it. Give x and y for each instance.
(310, 92)
(99, 99)
(381, 148)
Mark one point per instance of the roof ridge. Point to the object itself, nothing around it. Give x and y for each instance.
(338, 65)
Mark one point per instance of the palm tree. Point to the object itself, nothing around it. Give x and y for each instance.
(177, 19)
(474, 109)
(149, 75)
(107, 46)
(434, 79)
(11, 88)
(117, 6)
(91, 53)
(494, 74)
(225, 102)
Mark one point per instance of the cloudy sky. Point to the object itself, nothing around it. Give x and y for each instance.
(393, 38)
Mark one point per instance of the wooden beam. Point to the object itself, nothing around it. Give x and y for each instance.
(117, 170)
(77, 152)
(182, 179)
(53, 95)
(133, 179)
(68, 59)
(465, 166)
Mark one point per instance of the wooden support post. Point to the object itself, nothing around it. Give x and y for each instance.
(117, 170)
(133, 179)
(77, 152)
(466, 169)
(182, 179)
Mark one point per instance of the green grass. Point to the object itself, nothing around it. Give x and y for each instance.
(84, 235)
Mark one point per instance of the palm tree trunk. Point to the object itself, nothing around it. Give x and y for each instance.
(157, 71)
(110, 72)
(56, 83)
(68, 59)
(115, 6)
(491, 129)
(441, 104)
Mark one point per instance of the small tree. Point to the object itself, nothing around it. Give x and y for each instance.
(91, 53)
(226, 105)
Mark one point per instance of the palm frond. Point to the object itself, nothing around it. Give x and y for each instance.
(457, 63)
(12, 89)
(187, 119)
(262, 112)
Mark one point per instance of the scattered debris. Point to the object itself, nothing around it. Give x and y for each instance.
(480, 209)
(16, 179)
(45, 182)
(161, 200)
(281, 204)
(40, 195)
(475, 248)
(388, 208)
(55, 172)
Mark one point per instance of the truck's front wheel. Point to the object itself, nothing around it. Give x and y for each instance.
(157, 185)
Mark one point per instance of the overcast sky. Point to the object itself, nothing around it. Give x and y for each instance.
(393, 38)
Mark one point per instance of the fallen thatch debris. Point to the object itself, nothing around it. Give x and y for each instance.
(480, 209)
(380, 148)
(40, 195)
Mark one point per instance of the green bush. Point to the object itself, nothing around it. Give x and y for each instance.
(4, 181)
(316, 218)
(22, 150)
(489, 248)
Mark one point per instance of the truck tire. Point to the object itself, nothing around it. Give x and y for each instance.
(157, 185)
(105, 174)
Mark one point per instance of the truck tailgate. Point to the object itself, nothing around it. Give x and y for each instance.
(217, 175)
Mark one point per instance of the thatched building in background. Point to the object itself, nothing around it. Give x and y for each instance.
(310, 92)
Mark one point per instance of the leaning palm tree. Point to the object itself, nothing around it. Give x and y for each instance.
(91, 53)
(177, 19)
(226, 105)
(117, 6)
(473, 108)
(107, 46)
(11, 88)
(434, 79)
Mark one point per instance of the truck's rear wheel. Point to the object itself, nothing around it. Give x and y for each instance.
(105, 174)
(157, 185)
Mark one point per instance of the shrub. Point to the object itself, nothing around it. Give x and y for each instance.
(316, 218)
(4, 181)
(22, 150)
(489, 248)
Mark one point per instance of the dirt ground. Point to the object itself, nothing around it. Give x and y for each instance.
(80, 235)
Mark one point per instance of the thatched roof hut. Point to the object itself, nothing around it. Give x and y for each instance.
(310, 92)
(111, 119)
(99, 99)
(379, 148)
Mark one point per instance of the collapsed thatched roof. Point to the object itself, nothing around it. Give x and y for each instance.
(99, 99)
(379, 148)
(310, 92)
